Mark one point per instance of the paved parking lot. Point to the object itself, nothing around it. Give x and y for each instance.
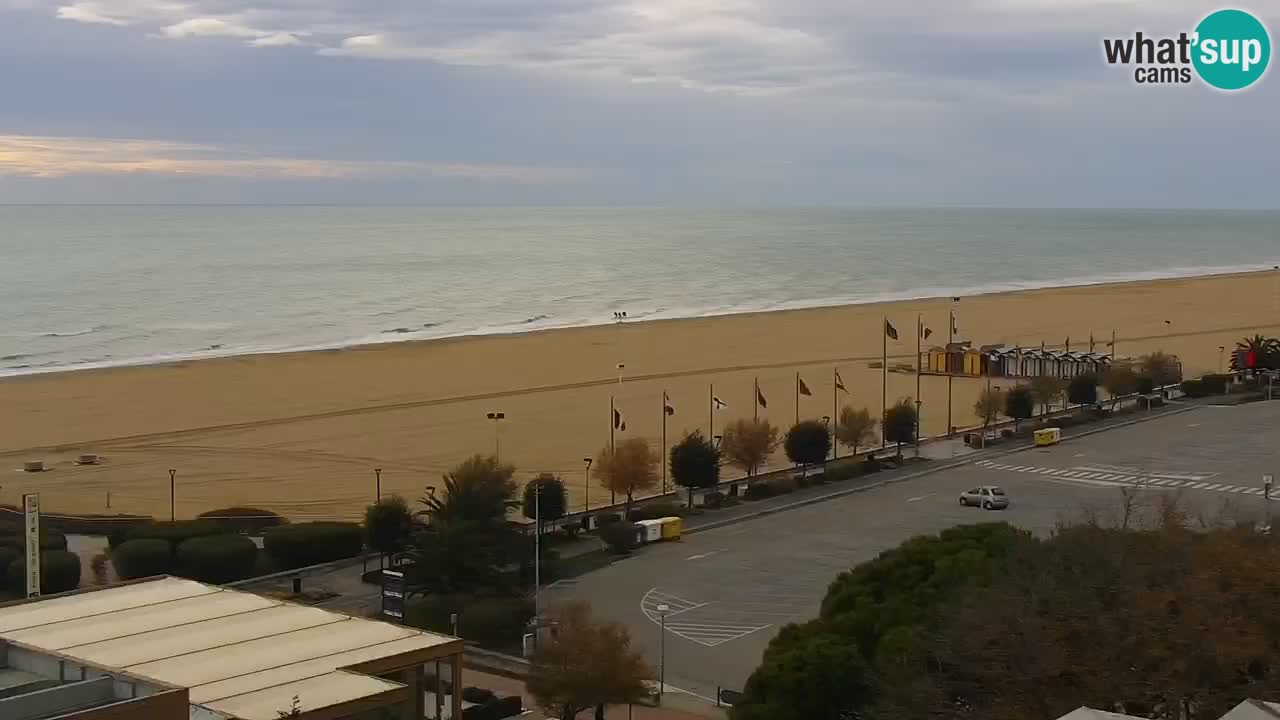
(727, 591)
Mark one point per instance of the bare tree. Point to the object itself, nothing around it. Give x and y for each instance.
(631, 467)
(586, 664)
(989, 406)
(1047, 389)
(1119, 380)
(855, 427)
(748, 443)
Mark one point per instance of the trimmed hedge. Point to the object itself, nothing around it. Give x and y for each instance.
(1215, 384)
(713, 499)
(247, 520)
(620, 536)
(172, 532)
(142, 558)
(497, 623)
(11, 522)
(17, 540)
(59, 572)
(7, 557)
(303, 544)
(217, 559)
(605, 519)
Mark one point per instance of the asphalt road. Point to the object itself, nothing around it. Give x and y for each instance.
(728, 591)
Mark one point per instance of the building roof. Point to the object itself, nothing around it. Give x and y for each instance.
(1085, 713)
(243, 655)
(1254, 710)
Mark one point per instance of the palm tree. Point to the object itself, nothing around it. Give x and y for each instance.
(1256, 353)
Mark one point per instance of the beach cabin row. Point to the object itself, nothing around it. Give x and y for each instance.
(999, 361)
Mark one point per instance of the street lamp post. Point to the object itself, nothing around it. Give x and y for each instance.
(586, 503)
(496, 417)
(1222, 349)
(826, 421)
(377, 475)
(173, 515)
(537, 552)
(662, 649)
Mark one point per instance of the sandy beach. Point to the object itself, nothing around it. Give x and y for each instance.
(301, 433)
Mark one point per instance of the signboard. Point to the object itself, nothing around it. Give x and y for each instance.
(393, 594)
(31, 519)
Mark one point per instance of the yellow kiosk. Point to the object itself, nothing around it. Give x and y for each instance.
(1048, 436)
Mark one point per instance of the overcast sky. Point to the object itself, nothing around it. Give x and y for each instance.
(862, 102)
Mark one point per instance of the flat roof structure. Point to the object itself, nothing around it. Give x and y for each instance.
(239, 655)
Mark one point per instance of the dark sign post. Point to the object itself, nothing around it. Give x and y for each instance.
(393, 595)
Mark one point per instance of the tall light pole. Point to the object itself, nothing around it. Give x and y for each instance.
(662, 649)
(173, 515)
(1222, 349)
(496, 417)
(586, 503)
(377, 475)
(537, 553)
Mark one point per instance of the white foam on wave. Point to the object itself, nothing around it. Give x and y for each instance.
(544, 322)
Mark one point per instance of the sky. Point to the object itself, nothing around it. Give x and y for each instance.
(619, 102)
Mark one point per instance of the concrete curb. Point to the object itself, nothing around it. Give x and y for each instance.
(969, 459)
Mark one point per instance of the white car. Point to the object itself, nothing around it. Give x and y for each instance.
(987, 497)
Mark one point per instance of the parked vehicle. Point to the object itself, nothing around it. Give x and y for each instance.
(987, 497)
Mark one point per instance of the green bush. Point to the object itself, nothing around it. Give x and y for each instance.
(605, 519)
(49, 540)
(172, 532)
(248, 520)
(1146, 385)
(59, 572)
(770, 488)
(142, 558)
(1194, 389)
(713, 499)
(837, 472)
(620, 536)
(1214, 384)
(303, 544)
(493, 622)
(7, 556)
(217, 558)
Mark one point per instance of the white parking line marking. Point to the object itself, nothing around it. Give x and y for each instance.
(917, 499)
(1215, 486)
(702, 555)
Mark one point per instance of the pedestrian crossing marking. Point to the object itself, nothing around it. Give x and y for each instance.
(704, 630)
(1118, 476)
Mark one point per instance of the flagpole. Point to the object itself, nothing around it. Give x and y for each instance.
(951, 326)
(835, 415)
(755, 401)
(612, 426)
(919, 332)
(711, 412)
(1114, 355)
(884, 376)
(664, 442)
(797, 397)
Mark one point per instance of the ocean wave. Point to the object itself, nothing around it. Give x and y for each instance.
(543, 321)
(74, 333)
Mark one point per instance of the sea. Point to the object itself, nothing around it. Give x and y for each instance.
(96, 286)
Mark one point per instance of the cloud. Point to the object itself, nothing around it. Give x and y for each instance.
(279, 39)
(45, 157)
(89, 12)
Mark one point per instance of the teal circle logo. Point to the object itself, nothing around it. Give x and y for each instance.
(1232, 49)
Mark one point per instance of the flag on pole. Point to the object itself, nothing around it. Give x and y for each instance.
(840, 382)
(760, 398)
(890, 330)
(954, 329)
(804, 389)
(925, 332)
(718, 403)
(667, 407)
(619, 423)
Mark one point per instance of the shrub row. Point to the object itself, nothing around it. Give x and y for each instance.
(248, 520)
(11, 522)
(303, 544)
(16, 539)
(620, 536)
(59, 571)
(173, 533)
(655, 511)
(493, 622)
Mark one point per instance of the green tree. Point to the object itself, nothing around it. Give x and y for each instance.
(808, 442)
(1262, 352)
(545, 496)
(1019, 404)
(868, 635)
(586, 664)
(748, 443)
(467, 543)
(1047, 389)
(855, 427)
(631, 466)
(1083, 390)
(388, 524)
(899, 424)
(695, 463)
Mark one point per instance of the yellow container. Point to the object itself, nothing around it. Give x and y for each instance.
(671, 528)
(1048, 436)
